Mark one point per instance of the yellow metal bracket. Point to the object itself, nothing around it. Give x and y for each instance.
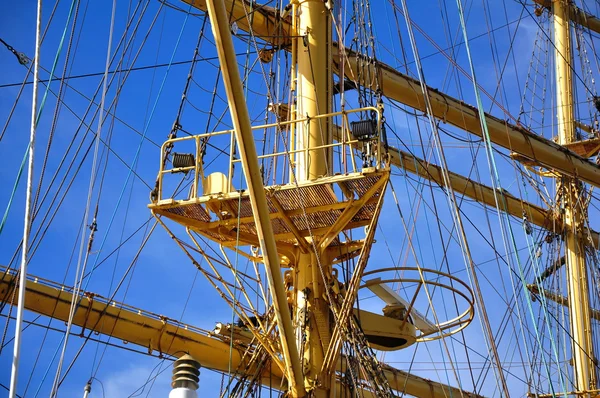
(351, 210)
(90, 298)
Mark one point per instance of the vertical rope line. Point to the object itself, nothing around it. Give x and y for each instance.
(14, 189)
(27, 221)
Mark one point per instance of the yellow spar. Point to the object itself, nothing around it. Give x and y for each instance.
(163, 335)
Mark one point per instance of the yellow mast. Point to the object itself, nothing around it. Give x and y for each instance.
(574, 213)
(577, 15)
(313, 78)
(314, 94)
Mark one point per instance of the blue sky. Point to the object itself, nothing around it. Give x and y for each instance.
(164, 278)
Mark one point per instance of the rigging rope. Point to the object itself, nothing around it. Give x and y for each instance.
(14, 189)
(12, 110)
(21, 57)
(69, 146)
(59, 97)
(90, 146)
(27, 219)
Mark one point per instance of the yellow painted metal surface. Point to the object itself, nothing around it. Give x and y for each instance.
(484, 194)
(546, 153)
(534, 149)
(477, 191)
(557, 298)
(313, 83)
(311, 313)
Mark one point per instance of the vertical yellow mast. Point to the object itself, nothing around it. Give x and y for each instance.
(314, 82)
(574, 214)
(313, 98)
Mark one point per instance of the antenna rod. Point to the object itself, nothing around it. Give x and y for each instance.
(23, 273)
(575, 215)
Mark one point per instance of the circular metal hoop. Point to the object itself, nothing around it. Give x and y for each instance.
(425, 277)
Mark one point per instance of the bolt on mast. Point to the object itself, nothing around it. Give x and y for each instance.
(574, 215)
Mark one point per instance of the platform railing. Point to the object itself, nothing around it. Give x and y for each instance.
(348, 144)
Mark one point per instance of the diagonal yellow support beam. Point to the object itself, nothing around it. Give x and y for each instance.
(153, 332)
(421, 387)
(267, 26)
(542, 151)
(218, 14)
(168, 336)
(302, 242)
